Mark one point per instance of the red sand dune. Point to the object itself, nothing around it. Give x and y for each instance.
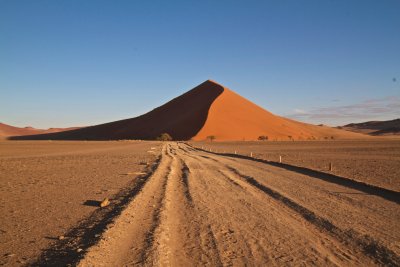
(182, 118)
(233, 117)
(208, 109)
(375, 128)
(8, 130)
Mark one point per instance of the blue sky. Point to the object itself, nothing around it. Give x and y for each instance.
(76, 63)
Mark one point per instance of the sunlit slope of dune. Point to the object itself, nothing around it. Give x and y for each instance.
(232, 117)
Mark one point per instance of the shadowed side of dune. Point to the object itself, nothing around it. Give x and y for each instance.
(182, 118)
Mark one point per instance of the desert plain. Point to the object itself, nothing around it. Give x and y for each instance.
(179, 204)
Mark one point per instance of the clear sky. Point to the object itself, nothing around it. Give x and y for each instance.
(82, 62)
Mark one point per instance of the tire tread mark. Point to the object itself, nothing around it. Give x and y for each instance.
(370, 247)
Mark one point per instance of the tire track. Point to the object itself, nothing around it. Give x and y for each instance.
(370, 247)
(242, 243)
(131, 236)
(182, 238)
(256, 248)
(200, 209)
(185, 180)
(88, 232)
(161, 227)
(388, 194)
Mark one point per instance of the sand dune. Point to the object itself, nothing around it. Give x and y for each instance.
(208, 109)
(181, 117)
(8, 130)
(377, 128)
(233, 117)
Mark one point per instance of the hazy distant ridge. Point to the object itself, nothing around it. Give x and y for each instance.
(376, 128)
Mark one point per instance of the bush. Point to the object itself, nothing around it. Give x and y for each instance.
(263, 138)
(164, 137)
(211, 137)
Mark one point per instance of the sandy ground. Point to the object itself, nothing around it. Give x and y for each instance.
(48, 188)
(200, 209)
(374, 161)
(193, 208)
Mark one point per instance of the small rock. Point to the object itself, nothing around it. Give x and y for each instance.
(9, 254)
(105, 203)
(79, 250)
(61, 237)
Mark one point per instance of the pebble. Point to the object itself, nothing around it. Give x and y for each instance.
(79, 250)
(61, 237)
(105, 203)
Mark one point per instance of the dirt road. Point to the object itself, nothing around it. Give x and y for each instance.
(201, 209)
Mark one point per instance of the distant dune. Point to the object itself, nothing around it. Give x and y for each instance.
(8, 130)
(207, 110)
(376, 128)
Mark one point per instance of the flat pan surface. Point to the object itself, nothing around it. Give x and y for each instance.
(47, 188)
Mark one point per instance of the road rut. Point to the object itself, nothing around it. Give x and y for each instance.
(201, 209)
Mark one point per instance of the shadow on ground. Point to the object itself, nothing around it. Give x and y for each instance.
(92, 203)
(369, 189)
(70, 250)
